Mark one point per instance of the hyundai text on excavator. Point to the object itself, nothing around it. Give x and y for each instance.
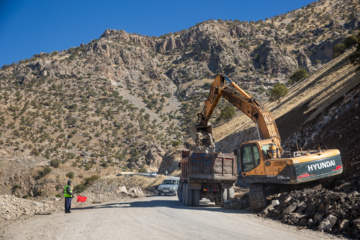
(263, 163)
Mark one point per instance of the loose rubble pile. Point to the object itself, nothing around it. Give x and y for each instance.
(336, 212)
(322, 209)
(240, 202)
(12, 207)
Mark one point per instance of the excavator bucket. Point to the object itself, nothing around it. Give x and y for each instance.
(202, 135)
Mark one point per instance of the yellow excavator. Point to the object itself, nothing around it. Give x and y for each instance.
(263, 163)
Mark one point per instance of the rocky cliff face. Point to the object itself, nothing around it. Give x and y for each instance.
(119, 99)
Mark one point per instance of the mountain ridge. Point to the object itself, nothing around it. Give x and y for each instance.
(123, 100)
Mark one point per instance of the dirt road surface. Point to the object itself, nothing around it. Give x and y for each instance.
(156, 217)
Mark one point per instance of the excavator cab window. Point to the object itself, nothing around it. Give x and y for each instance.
(250, 157)
(265, 149)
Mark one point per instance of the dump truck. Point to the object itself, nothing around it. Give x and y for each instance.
(206, 175)
(263, 163)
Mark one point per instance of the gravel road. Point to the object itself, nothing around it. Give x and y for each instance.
(156, 217)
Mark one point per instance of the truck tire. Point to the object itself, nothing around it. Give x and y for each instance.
(256, 197)
(189, 195)
(179, 193)
(224, 196)
(184, 194)
(196, 197)
(218, 199)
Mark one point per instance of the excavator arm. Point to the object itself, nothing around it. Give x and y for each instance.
(202, 130)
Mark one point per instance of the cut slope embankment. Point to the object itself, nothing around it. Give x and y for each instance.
(305, 102)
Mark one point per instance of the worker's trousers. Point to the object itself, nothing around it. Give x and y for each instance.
(68, 204)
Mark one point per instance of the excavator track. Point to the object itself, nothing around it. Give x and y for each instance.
(257, 197)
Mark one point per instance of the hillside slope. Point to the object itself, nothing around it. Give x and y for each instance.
(124, 100)
(307, 102)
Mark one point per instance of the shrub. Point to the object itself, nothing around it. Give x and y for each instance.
(350, 41)
(142, 170)
(338, 49)
(14, 188)
(70, 175)
(25, 196)
(80, 188)
(355, 58)
(43, 173)
(175, 143)
(55, 163)
(298, 75)
(277, 92)
(35, 152)
(227, 112)
(104, 164)
(58, 195)
(86, 183)
(91, 180)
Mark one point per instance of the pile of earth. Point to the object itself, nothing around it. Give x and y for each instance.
(103, 190)
(335, 211)
(322, 209)
(12, 207)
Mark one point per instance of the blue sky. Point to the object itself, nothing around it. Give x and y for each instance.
(28, 27)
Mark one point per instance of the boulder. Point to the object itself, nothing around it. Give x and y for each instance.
(154, 157)
(356, 223)
(289, 209)
(136, 192)
(122, 189)
(328, 223)
(344, 225)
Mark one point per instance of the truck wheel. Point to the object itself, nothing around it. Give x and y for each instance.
(184, 194)
(179, 193)
(159, 194)
(256, 197)
(218, 199)
(196, 197)
(189, 196)
(224, 196)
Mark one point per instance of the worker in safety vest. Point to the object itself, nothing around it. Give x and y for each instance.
(68, 194)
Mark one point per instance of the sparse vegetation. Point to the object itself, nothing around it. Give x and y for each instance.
(351, 41)
(298, 75)
(55, 163)
(43, 173)
(227, 113)
(85, 184)
(338, 50)
(277, 92)
(70, 175)
(70, 113)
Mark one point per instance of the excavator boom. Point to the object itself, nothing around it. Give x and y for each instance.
(202, 130)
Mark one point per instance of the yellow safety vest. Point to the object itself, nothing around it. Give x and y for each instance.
(67, 194)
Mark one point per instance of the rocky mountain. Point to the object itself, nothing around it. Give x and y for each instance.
(124, 100)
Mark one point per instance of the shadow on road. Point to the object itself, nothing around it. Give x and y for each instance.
(171, 203)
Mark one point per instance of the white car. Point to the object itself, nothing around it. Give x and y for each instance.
(168, 186)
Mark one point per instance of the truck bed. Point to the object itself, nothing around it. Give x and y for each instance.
(208, 167)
